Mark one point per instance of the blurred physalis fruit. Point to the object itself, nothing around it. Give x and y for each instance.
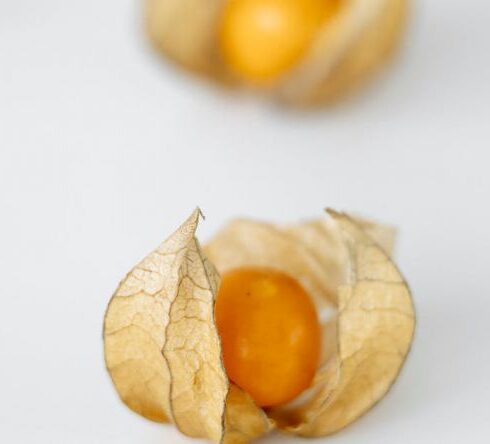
(301, 52)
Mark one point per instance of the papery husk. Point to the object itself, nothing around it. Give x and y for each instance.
(163, 351)
(345, 52)
(162, 347)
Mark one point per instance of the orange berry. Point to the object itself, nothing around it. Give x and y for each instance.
(261, 39)
(270, 334)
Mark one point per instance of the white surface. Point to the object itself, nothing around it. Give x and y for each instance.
(104, 150)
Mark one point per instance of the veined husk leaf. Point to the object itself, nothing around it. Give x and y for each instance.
(163, 351)
(135, 326)
(344, 53)
(347, 51)
(162, 347)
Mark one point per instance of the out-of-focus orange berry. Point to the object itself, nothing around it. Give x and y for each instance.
(261, 39)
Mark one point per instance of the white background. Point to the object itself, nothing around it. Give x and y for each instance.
(105, 149)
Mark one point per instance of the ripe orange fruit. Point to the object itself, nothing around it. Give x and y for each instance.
(270, 334)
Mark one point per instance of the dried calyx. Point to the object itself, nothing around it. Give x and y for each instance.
(164, 353)
(301, 52)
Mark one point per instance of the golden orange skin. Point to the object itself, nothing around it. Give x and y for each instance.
(261, 39)
(270, 334)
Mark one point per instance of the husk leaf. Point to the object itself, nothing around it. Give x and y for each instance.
(185, 31)
(192, 349)
(244, 420)
(375, 326)
(163, 351)
(345, 52)
(245, 243)
(135, 326)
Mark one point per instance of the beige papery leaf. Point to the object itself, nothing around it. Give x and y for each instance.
(375, 323)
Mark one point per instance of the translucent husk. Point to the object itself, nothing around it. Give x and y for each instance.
(163, 351)
(344, 53)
